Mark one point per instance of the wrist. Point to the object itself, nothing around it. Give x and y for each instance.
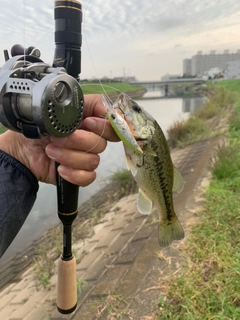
(10, 142)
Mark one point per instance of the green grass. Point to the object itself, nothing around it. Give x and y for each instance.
(235, 121)
(209, 287)
(43, 269)
(123, 181)
(110, 87)
(232, 85)
(197, 127)
(209, 283)
(182, 133)
(2, 129)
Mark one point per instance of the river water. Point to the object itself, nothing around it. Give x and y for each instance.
(43, 216)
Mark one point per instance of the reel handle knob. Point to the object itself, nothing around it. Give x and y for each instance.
(18, 50)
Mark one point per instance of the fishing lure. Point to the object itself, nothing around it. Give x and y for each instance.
(121, 127)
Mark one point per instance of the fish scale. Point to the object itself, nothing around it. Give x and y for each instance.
(153, 170)
(157, 175)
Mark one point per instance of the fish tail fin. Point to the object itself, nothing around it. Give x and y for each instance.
(169, 232)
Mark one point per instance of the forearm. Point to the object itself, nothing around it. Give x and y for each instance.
(18, 189)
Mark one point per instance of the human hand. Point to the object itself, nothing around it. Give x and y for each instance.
(77, 154)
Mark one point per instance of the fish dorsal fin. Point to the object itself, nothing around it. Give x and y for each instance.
(178, 182)
(144, 204)
(148, 150)
(130, 166)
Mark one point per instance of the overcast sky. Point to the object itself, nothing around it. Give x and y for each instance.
(146, 39)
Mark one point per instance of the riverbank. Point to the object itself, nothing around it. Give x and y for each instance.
(207, 283)
(120, 265)
(47, 248)
(112, 89)
(52, 239)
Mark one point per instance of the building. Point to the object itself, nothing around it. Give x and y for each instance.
(201, 63)
(213, 73)
(187, 67)
(232, 70)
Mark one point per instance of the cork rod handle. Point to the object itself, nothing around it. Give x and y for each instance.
(67, 286)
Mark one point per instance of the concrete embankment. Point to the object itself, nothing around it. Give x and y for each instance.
(122, 262)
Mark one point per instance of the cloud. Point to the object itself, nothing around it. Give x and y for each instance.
(127, 33)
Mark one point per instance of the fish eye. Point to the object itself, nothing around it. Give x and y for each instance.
(137, 109)
(113, 116)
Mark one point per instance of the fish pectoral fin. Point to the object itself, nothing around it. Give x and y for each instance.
(130, 166)
(144, 204)
(148, 150)
(169, 232)
(178, 182)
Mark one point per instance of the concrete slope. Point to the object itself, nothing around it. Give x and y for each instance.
(119, 275)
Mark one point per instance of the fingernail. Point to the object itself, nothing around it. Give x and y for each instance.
(95, 162)
(91, 123)
(53, 152)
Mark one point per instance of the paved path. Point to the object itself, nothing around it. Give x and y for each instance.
(122, 263)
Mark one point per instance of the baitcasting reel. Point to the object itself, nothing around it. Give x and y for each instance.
(37, 99)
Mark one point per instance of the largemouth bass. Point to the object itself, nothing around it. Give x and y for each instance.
(153, 170)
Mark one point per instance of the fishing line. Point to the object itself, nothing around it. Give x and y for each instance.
(104, 127)
(88, 48)
(103, 86)
(106, 86)
(24, 32)
(91, 58)
(95, 69)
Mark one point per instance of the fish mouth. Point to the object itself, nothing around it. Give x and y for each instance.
(140, 139)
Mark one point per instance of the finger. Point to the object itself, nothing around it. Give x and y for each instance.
(101, 127)
(73, 158)
(93, 106)
(79, 177)
(82, 140)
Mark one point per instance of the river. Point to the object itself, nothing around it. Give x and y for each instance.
(43, 215)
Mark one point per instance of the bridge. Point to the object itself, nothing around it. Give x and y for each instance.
(170, 81)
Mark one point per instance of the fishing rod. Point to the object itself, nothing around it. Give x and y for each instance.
(68, 40)
(37, 99)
